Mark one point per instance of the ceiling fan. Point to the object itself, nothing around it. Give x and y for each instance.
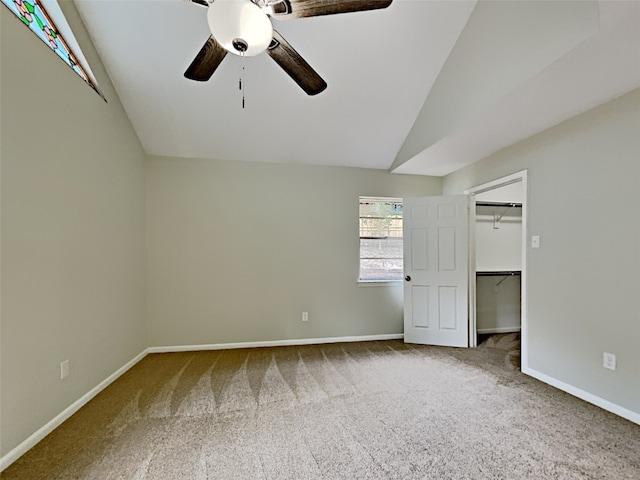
(243, 27)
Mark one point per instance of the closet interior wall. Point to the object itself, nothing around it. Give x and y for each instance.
(498, 260)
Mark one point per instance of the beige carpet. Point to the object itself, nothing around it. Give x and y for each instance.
(375, 410)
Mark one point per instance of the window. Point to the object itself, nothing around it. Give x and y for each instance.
(33, 14)
(380, 239)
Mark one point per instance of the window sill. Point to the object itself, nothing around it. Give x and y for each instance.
(379, 283)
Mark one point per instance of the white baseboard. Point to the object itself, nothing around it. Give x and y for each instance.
(586, 396)
(46, 429)
(275, 343)
(50, 426)
(498, 330)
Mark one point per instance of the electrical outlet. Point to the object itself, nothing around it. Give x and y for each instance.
(609, 361)
(305, 316)
(64, 369)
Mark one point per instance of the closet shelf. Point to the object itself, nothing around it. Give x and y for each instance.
(498, 204)
(497, 273)
(505, 274)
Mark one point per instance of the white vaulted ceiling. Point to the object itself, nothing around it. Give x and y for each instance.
(420, 87)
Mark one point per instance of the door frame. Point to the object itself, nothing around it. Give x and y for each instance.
(520, 176)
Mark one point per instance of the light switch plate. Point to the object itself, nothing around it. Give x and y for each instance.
(535, 241)
(64, 369)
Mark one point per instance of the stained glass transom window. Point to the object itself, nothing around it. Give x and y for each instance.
(33, 15)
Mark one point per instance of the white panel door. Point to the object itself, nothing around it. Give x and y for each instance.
(436, 236)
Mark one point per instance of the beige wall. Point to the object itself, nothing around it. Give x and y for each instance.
(237, 251)
(73, 261)
(583, 281)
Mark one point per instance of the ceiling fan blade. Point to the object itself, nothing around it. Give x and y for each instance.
(285, 9)
(295, 66)
(206, 61)
(202, 3)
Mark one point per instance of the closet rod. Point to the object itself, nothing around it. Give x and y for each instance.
(498, 204)
(498, 274)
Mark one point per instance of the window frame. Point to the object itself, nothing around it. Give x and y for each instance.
(377, 281)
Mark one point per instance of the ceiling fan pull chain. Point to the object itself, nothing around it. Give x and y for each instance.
(241, 81)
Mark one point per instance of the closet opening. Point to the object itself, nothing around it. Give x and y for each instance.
(497, 266)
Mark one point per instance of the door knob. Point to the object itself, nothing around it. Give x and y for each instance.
(408, 278)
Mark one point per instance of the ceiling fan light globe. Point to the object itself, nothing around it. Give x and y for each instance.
(230, 20)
